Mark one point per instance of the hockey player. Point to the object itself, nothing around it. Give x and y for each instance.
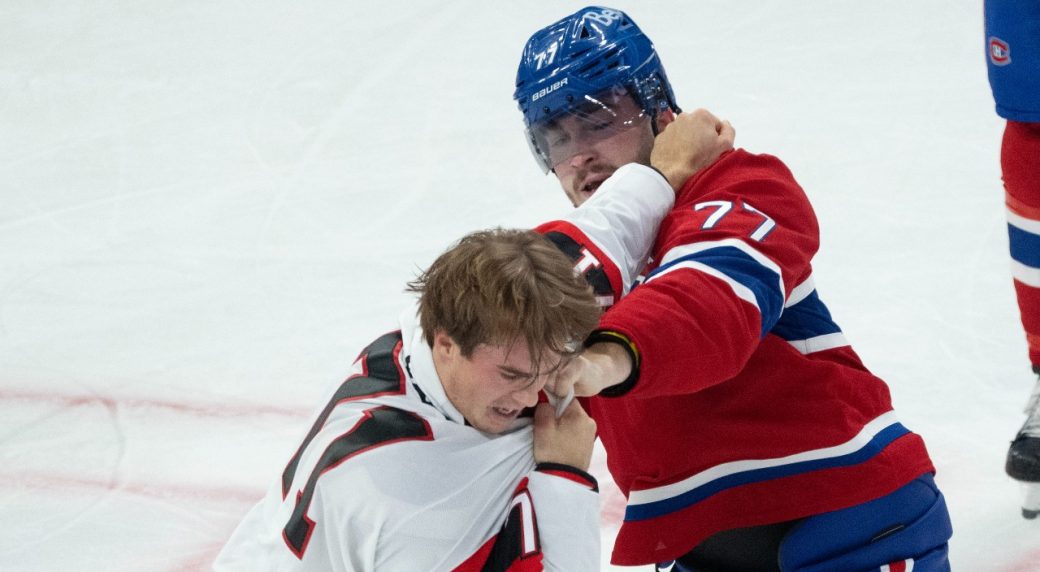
(744, 430)
(1013, 60)
(422, 459)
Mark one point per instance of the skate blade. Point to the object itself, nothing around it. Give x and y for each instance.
(1031, 505)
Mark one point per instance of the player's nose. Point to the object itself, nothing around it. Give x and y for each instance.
(528, 396)
(581, 158)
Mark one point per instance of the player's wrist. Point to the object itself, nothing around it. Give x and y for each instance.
(618, 358)
(570, 473)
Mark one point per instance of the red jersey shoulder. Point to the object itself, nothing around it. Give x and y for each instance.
(742, 196)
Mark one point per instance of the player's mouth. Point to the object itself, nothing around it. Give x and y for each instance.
(591, 184)
(505, 413)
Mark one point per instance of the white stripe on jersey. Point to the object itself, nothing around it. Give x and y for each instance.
(688, 249)
(801, 292)
(869, 431)
(1029, 225)
(1025, 274)
(819, 343)
(742, 292)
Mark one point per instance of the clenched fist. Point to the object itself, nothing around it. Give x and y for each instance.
(566, 439)
(691, 142)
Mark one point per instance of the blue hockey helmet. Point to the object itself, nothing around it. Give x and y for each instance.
(581, 64)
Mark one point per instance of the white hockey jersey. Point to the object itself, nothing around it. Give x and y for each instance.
(390, 477)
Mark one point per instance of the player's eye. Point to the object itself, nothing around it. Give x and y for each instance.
(559, 140)
(518, 380)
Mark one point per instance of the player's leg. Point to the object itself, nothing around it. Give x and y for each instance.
(1013, 64)
(906, 530)
(754, 548)
(1020, 163)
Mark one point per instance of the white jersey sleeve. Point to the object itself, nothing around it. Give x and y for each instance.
(565, 519)
(615, 228)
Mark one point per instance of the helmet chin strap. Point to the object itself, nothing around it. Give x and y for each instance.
(653, 118)
(653, 124)
(661, 100)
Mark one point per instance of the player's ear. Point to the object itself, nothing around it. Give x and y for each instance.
(444, 345)
(664, 117)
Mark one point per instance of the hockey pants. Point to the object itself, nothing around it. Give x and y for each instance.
(903, 531)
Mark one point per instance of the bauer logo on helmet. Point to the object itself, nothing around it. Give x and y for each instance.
(547, 90)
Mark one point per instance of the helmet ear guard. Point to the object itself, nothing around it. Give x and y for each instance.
(655, 95)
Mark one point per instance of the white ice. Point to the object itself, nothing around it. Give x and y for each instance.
(208, 208)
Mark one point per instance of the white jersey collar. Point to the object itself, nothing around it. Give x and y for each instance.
(419, 358)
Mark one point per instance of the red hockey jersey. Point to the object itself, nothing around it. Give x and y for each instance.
(750, 407)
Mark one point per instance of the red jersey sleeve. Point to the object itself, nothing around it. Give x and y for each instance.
(739, 239)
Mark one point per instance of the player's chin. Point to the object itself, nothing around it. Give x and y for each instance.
(499, 419)
(579, 198)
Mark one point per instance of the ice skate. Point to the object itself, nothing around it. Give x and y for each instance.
(1023, 459)
(1031, 506)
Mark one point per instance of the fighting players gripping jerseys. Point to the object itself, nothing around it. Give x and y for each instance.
(750, 405)
(391, 476)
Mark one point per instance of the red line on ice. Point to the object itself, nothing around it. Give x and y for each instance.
(1027, 563)
(44, 481)
(198, 409)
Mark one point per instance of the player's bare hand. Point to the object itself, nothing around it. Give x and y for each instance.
(600, 366)
(690, 143)
(566, 439)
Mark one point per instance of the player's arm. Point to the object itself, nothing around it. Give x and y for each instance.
(727, 261)
(610, 235)
(565, 495)
(553, 518)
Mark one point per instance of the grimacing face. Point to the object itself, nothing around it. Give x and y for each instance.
(494, 384)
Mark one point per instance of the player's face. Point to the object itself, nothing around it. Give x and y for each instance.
(494, 384)
(590, 158)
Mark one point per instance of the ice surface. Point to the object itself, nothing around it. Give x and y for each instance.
(208, 208)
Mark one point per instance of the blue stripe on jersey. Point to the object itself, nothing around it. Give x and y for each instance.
(694, 496)
(1025, 246)
(742, 268)
(806, 319)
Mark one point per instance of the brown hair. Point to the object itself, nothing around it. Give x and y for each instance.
(502, 286)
